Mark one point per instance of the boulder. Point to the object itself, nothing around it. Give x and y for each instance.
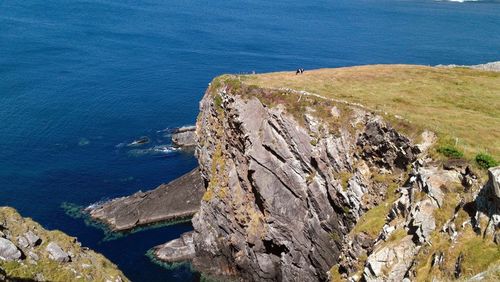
(494, 178)
(421, 221)
(33, 239)
(184, 136)
(22, 242)
(391, 262)
(8, 251)
(56, 253)
(178, 250)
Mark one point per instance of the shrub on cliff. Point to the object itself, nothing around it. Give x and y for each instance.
(485, 161)
(450, 151)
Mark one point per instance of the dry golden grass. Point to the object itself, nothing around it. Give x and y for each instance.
(458, 104)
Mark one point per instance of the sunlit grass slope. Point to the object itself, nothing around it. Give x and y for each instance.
(459, 104)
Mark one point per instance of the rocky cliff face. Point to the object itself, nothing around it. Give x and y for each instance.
(304, 188)
(286, 181)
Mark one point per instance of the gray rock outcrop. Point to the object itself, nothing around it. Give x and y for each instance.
(177, 250)
(176, 200)
(32, 238)
(56, 253)
(492, 66)
(184, 136)
(9, 251)
(391, 262)
(303, 188)
(280, 196)
(494, 176)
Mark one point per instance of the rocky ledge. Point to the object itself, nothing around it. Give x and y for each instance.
(179, 199)
(184, 137)
(30, 253)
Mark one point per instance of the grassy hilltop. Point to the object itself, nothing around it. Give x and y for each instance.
(461, 105)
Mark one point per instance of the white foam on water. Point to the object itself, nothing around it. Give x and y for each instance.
(156, 150)
(164, 149)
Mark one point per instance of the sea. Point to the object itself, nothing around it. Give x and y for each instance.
(82, 79)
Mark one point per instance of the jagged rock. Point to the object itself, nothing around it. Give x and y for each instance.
(401, 206)
(8, 251)
(181, 249)
(496, 238)
(437, 259)
(184, 136)
(494, 176)
(421, 221)
(56, 253)
(22, 242)
(458, 266)
(451, 229)
(359, 246)
(391, 262)
(491, 66)
(279, 201)
(459, 165)
(487, 203)
(469, 178)
(377, 150)
(32, 238)
(178, 199)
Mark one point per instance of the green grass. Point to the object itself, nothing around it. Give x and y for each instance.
(450, 151)
(480, 254)
(457, 103)
(485, 161)
(374, 219)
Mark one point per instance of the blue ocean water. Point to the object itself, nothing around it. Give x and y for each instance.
(79, 79)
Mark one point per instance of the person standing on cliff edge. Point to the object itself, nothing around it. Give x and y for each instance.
(300, 70)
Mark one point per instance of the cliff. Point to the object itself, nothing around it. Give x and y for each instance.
(279, 192)
(325, 184)
(30, 253)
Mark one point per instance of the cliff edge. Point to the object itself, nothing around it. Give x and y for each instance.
(340, 174)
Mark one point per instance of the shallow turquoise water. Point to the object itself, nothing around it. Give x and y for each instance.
(79, 79)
